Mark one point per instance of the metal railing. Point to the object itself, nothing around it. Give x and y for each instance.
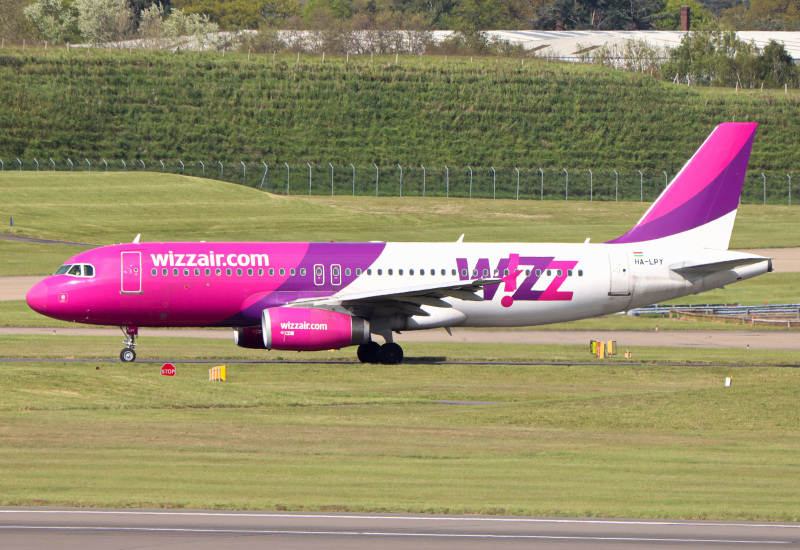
(532, 183)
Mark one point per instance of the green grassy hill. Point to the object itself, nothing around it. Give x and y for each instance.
(422, 110)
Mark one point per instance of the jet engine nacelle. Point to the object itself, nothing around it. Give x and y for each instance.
(249, 337)
(304, 329)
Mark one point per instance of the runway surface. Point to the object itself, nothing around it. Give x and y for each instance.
(752, 340)
(66, 529)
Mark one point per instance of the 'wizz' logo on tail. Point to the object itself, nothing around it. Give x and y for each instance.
(538, 267)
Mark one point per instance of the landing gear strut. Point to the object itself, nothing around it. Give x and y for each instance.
(372, 352)
(127, 355)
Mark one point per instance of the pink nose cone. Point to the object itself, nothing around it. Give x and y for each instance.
(37, 297)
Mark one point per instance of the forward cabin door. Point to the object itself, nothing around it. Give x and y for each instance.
(620, 274)
(131, 273)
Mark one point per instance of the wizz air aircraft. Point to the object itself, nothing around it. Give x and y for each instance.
(315, 296)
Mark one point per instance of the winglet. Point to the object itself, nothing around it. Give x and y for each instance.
(461, 238)
(136, 240)
(704, 196)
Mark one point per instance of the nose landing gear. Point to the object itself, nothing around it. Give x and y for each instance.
(128, 355)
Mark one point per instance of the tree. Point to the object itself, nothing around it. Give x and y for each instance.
(338, 9)
(102, 21)
(773, 15)
(598, 14)
(14, 27)
(778, 66)
(55, 20)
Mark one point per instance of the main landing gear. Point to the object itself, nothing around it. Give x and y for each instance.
(388, 353)
(127, 355)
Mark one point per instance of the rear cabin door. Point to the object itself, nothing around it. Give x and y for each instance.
(131, 273)
(620, 274)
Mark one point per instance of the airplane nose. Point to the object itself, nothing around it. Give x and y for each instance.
(37, 297)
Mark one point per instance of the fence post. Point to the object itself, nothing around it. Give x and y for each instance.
(3, 165)
(765, 186)
(144, 166)
(204, 167)
(790, 189)
(641, 187)
(377, 174)
(566, 185)
(591, 186)
(517, 169)
(423, 180)
(309, 178)
(447, 179)
(37, 163)
(264, 179)
(331, 165)
(20, 164)
(616, 186)
(666, 180)
(244, 172)
(104, 162)
(287, 179)
(470, 182)
(221, 169)
(494, 184)
(541, 185)
(54, 165)
(72, 166)
(87, 162)
(124, 166)
(401, 179)
(183, 168)
(162, 165)
(354, 179)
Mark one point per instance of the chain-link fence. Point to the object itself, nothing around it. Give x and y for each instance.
(423, 181)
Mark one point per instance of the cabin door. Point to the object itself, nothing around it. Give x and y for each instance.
(131, 273)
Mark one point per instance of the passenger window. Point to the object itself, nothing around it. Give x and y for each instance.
(474, 272)
(282, 272)
(260, 272)
(569, 273)
(496, 273)
(410, 271)
(389, 272)
(505, 272)
(239, 272)
(164, 272)
(464, 273)
(186, 272)
(454, 273)
(154, 272)
(538, 272)
(175, 272)
(208, 272)
(559, 272)
(549, 272)
(399, 271)
(422, 272)
(302, 271)
(197, 271)
(444, 272)
(580, 273)
(369, 272)
(380, 272)
(433, 272)
(271, 272)
(292, 272)
(250, 271)
(218, 272)
(347, 272)
(485, 272)
(228, 272)
(358, 271)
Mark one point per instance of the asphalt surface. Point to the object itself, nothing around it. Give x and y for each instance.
(68, 529)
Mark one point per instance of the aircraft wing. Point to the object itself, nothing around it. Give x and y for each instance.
(402, 300)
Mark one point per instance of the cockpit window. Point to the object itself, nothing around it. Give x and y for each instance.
(76, 270)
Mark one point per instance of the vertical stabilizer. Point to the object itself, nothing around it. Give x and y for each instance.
(699, 205)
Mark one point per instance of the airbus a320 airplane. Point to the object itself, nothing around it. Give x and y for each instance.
(317, 296)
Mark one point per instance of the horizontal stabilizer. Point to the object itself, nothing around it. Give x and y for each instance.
(713, 267)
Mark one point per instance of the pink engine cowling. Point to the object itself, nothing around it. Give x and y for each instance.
(304, 329)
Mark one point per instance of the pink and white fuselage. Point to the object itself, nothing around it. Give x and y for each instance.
(308, 296)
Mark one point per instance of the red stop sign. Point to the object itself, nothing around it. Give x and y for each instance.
(168, 370)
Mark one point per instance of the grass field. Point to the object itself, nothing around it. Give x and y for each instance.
(606, 439)
(602, 439)
(102, 208)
